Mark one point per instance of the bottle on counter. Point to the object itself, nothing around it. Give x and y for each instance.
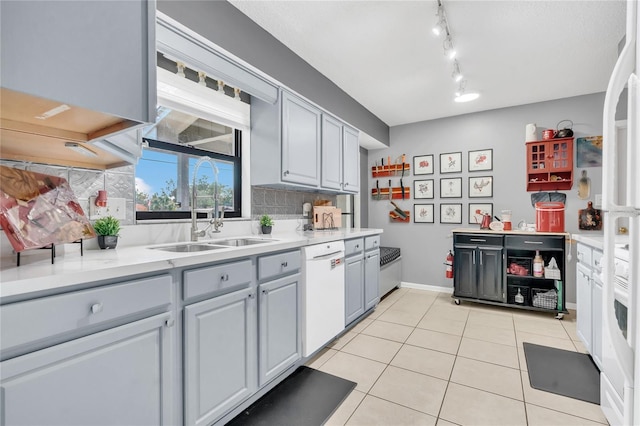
(538, 265)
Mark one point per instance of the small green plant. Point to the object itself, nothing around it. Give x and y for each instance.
(266, 220)
(107, 226)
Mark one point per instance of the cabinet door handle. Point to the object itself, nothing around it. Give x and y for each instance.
(96, 308)
(534, 242)
(474, 257)
(284, 264)
(169, 322)
(224, 277)
(251, 295)
(478, 240)
(286, 172)
(481, 258)
(265, 291)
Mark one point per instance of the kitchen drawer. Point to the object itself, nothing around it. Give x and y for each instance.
(534, 242)
(277, 265)
(597, 260)
(371, 243)
(45, 318)
(584, 254)
(478, 239)
(353, 246)
(217, 279)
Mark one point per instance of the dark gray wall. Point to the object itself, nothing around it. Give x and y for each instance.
(424, 246)
(230, 29)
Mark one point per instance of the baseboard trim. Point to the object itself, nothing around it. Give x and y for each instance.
(417, 286)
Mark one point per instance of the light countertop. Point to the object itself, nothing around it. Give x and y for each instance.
(38, 277)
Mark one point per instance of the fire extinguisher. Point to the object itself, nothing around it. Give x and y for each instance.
(449, 262)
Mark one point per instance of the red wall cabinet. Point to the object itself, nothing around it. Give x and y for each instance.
(550, 165)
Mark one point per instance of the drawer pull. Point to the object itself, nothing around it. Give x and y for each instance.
(375, 242)
(265, 291)
(357, 246)
(479, 240)
(534, 242)
(96, 308)
(284, 264)
(169, 322)
(224, 277)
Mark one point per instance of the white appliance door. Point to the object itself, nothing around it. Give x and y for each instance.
(323, 295)
(620, 349)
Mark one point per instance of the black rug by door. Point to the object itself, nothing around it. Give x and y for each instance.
(566, 373)
(306, 398)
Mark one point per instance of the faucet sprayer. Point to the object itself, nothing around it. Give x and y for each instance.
(218, 213)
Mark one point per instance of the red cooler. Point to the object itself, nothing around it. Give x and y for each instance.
(549, 217)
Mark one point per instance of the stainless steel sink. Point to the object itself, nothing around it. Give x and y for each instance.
(238, 242)
(188, 248)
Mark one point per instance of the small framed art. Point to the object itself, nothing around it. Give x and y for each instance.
(451, 188)
(481, 187)
(450, 213)
(477, 210)
(451, 162)
(423, 165)
(423, 213)
(423, 188)
(481, 160)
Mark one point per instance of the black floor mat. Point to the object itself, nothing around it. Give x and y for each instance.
(563, 372)
(306, 398)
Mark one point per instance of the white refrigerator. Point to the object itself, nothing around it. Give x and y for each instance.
(619, 399)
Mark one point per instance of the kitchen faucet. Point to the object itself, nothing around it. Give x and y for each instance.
(218, 212)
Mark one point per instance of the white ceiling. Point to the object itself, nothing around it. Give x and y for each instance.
(384, 55)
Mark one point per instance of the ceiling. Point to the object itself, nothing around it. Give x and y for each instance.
(384, 55)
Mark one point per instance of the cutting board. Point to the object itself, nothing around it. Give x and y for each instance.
(327, 217)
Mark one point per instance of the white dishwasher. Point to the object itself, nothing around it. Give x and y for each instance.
(322, 294)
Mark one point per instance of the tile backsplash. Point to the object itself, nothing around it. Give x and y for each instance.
(282, 203)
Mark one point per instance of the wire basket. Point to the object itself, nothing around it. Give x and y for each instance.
(552, 273)
(544, 298)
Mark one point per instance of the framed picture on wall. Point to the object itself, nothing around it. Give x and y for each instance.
(423, 188)
(423, 213)
(477, 210)
(481, 187)
(451, 162)
(451, 188)
(423, 164)
(481, 160)
(450, 213)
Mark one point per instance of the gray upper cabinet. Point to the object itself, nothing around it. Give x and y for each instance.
(98, 55)
(350, 160)
(118, 376)
(332, 153)
(220, 362)
(300, 141)
(295, 144)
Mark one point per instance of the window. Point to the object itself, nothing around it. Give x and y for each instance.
(164, 181)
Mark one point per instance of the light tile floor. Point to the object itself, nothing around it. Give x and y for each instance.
(419, 359)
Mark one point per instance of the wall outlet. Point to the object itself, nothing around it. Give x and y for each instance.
(115, 207)
(598, 203)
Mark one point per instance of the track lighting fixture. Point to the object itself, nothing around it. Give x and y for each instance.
(442, 28)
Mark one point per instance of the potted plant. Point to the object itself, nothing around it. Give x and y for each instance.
(266, 223)
(107, 229)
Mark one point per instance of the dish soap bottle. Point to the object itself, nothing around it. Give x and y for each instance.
(519, 298)
(538, 265)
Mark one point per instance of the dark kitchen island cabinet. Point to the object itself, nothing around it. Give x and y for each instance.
(497, 268)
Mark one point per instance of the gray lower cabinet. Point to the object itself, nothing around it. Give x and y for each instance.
(220, 362)
(371, 278)
(478, 271)
(279, 337)
(118, 376)
(354, 287)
